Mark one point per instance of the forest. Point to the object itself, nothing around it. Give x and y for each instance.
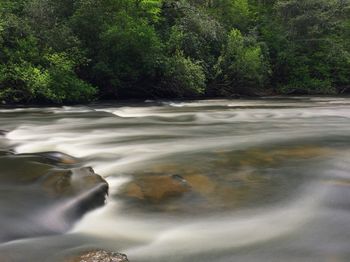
(76, 51)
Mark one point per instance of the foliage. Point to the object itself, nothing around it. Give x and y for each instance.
(35, 65)
(241, 65)
(182, 77)
(130, 51)
(314, 56)
(74, 51)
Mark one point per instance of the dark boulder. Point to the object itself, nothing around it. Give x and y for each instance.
(38, 199)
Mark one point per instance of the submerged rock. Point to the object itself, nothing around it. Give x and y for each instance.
(220, 180)
(99, 256)
(273, 157)
(157, 188)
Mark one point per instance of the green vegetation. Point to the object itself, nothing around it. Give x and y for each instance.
(71, 51)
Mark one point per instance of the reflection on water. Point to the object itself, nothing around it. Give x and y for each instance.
(223, 180)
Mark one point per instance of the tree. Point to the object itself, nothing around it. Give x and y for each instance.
(306, 43)
(36, 65)
(76, 50)
(182, 77)
(242, 66)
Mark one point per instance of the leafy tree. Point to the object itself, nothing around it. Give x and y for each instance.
(123, 47)
(241, 67)
(30, 68)
(189, 30)
(130, 49)
(312, 36)
(182, 77)
(232, 13)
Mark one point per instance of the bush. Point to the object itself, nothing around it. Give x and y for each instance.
(242, 65)
(129, 57)
(182, 77)
(24, 82)
(64, 85)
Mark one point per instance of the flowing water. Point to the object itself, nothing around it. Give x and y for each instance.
(218, 180)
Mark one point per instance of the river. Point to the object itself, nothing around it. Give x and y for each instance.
(210, 180)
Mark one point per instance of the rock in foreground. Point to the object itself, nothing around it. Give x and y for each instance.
(99, 256)
(38, 198)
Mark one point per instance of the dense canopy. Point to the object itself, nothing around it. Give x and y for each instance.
(71, 51)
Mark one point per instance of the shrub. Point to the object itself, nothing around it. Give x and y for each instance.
(242, 65)
(182, 77)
